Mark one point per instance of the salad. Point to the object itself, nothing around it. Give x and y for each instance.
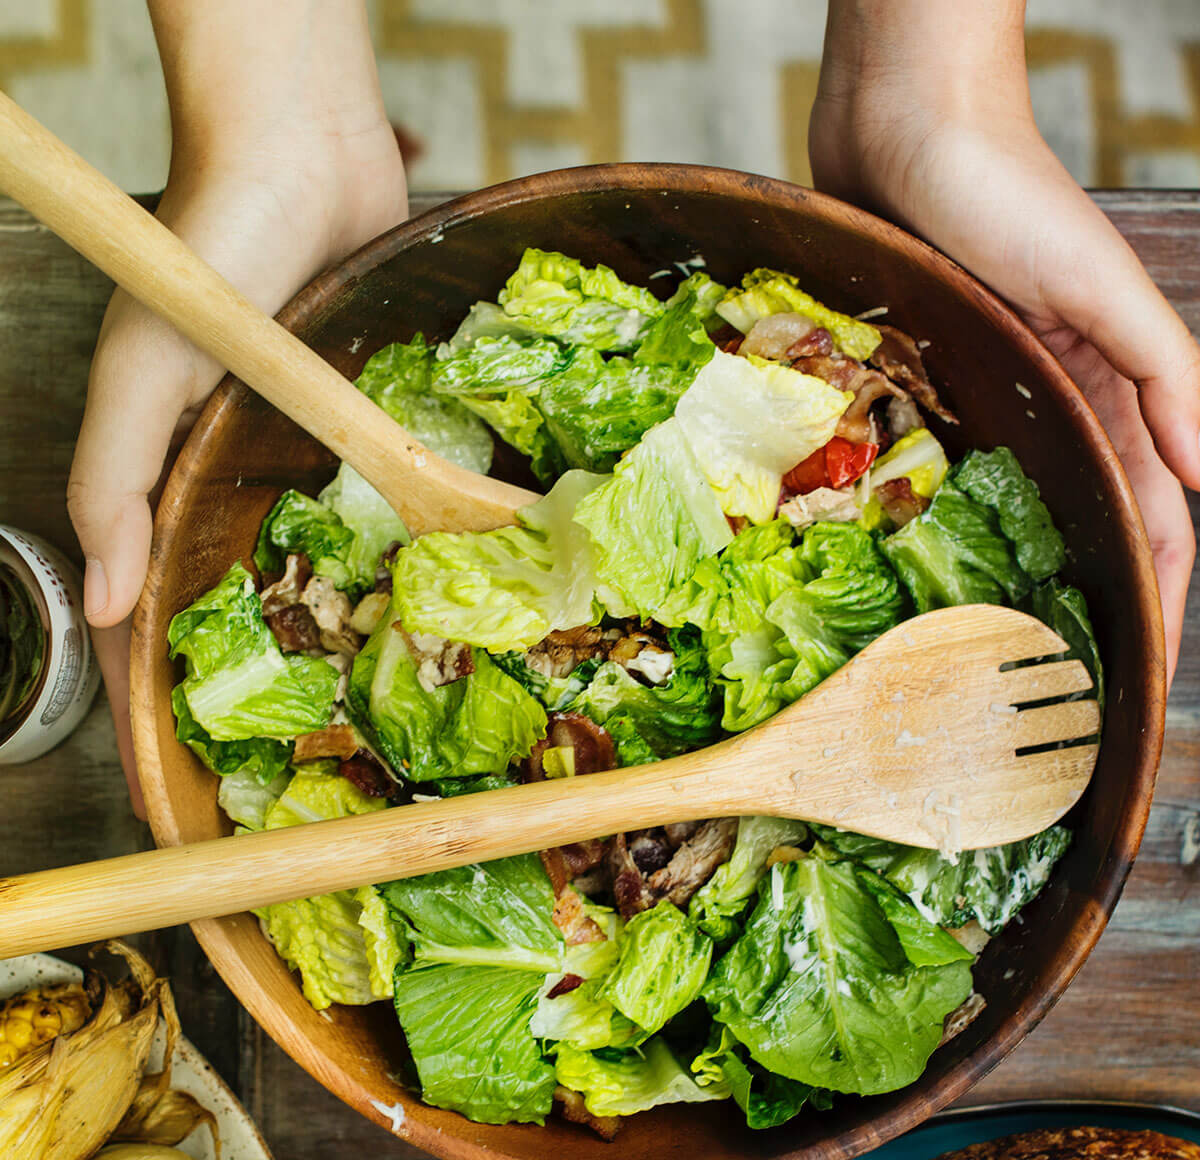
(742, 492)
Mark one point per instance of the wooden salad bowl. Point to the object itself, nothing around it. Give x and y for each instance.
(640, 219)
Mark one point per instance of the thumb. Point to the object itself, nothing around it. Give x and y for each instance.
(143, 375)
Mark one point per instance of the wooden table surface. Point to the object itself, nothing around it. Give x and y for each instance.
(1128, 1028)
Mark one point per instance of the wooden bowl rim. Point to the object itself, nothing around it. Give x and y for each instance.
(218, 937)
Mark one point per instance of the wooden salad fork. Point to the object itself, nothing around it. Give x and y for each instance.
(143, 257)
(928, 737)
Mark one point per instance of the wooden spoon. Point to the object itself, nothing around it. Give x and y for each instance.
(918, 740)
(142, 256)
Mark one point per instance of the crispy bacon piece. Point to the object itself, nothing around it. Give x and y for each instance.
(629, 888)
(774, 335)
(900, 359)
(817, 342)
(294, 628)
(692, 865)
(333, 741)
(365, 773)
(899, 500)
(570, 917)
(439, 661)
(567, 983)
(855, 423)
(555, 866)
(580, 857)
(575, 1110)
(593, 745)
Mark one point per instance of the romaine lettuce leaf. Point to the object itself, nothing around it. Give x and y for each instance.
(925, 943)
(716, 907)
(468, 1030)
(663, 963)
(384, 940)
(299, 523)
(477, 724)
(955, 552)
(370, 519)
(995, 478)
(620, 1083)
(239, 685)
(771, 292)
(495, 366)
(398, 379)
(582, 1018)
(652, 521)
(483, 320)
(505, 589)
(262, 759)
(679, 336)
(515, 418)
(748, 421)
(245, 798)
(672, 718)
(321, 936)
(1064, 609)
(553, 692)
(819, 988)
(989, 886)
(554, 295)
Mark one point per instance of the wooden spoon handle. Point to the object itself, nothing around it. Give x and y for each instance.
(77, 904)
(141, 255)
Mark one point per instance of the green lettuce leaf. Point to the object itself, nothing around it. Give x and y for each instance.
(516, 419)
(995, 478)
(771, 292)
(495, 366)
(245, 798)
(299, 523)
(679, 336)
(925, 943)
(239, 685)
(551, 294)
(682, 714)
(582, 1018)
(261, 758)
(955, 552)
(819, 988)
(321, 936)
(370, 519)
(652, 521)
(663, 963)
(718, 905)
(398, 379)
(384, 940)
(1065, 610)
(484, 320)
(468, 1030)
(617, 1083)
(988, 886)
(553, 692)
(748, 421)
(505, 589)
(477, 724)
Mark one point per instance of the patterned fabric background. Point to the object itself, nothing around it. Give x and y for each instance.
(498, 88)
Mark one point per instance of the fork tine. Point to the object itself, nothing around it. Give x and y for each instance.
(1038, 682)
(1066, 721)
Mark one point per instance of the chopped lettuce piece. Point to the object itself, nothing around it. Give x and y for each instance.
(597, 408)
(504, 589)
(988, 886)
(767, 1099)
(397, 378)
(679, 336)
(246, 798)
(995, 478)
(495, 366)
(748, 421)
(239, 685)
(771, 292)
(1064, 609)
(262, 759)
(553, 692)
(370, 519)
(581, 1017)
(384, 940)
(468, 1030)
(819, 988)
(917, 456)
(718, 905)
(652, 521)
(672, 718)
(554, 295)
(299, 523)
(476, 724)
(515, 418)
(955, 552)
(620, 1083)
(321, 936)
(925, 943)
(483, 320)
(663, 963)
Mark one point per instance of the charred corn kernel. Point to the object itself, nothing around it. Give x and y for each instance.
(29, 1020)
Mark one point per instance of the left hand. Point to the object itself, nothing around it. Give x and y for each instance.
(983, 186)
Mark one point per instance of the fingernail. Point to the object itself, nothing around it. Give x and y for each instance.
(95, 588)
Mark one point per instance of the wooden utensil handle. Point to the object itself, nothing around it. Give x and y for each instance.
(77, 904)
(141, 255)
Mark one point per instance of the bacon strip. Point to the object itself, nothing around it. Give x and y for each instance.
(900, 359)
(333, 741)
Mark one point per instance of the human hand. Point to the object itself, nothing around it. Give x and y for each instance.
(961, 163)
(268, 200)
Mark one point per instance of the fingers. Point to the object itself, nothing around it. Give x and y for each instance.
(112, 651)
(143, 375)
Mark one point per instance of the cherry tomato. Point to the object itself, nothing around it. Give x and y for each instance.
(837, 464)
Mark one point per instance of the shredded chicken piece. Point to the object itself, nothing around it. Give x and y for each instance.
(773, 335)
(575, 1110)
(581, 857)
(900, 359)
(855, 423)
(331, 612)
(629, 888)
(439, 661)
(570, 918)
(679, 832)
(563, 650)
(902, 417)
(649, 849)
(286, 590)
(694, 862)
(818, 342)
(332, 741)
(838, 505)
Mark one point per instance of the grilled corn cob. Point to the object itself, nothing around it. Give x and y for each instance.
(38, 1016)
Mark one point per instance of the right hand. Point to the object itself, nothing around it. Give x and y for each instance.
(268, 218)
